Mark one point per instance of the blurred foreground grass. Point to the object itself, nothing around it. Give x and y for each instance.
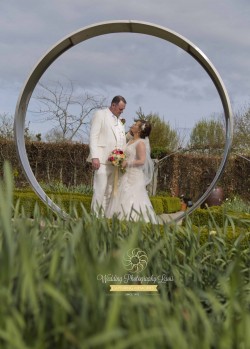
(50, 295)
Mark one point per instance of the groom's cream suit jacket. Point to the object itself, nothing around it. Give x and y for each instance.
(107, 133)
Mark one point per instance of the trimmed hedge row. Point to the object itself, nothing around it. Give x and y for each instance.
(218, 224)
(170, 204)
(230, 235)
(207, 224)
(68, 201)
(216, 215)
(187, 174)
(157, 205)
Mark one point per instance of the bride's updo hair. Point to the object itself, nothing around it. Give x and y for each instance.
(145, 128)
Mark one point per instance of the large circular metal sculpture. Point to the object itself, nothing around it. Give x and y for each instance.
(122, 26)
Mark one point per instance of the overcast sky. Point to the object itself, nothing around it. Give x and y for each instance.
(149, 72)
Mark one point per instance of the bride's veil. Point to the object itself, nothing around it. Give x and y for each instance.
(148, 167)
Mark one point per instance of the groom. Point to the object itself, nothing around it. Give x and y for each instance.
(106, 134)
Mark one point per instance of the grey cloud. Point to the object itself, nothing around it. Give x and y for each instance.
(146, 67)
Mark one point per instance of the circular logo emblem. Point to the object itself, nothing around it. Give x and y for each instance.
(135, 260)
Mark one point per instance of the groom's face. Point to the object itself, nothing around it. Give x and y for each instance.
(118, 108)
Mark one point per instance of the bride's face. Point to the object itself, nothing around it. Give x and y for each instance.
(135, 128)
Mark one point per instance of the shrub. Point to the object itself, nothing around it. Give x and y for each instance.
(157, 205)
(231, 235)
(27, 201)
(201, 217)
(218, 216)
(171, 204)
(158, 152)
(67, 201)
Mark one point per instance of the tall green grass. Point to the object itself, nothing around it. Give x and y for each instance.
(237, 204)
(59, 187)
(50, 296)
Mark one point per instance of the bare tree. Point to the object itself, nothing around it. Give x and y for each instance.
(6, 126)
(7, 129)
(68, 111)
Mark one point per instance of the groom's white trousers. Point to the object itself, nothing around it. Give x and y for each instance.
(103, 187)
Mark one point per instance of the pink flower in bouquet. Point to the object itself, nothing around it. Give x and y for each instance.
(117, 157)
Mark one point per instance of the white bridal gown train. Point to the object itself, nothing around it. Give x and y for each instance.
(131, 201)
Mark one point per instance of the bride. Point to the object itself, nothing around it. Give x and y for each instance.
(131, 201)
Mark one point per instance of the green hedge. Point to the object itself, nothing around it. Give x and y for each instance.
(28, 200)
(157, 205)
(67, 201)
(230, 235)
(206, 224)
(72, 201)
(201, 217)
(171, 204)
(218, 216)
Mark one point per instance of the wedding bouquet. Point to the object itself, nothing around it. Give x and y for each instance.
(116, 157)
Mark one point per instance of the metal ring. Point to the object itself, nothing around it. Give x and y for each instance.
(98, 29)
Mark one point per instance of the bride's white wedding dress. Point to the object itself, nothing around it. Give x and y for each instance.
(131, 201)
